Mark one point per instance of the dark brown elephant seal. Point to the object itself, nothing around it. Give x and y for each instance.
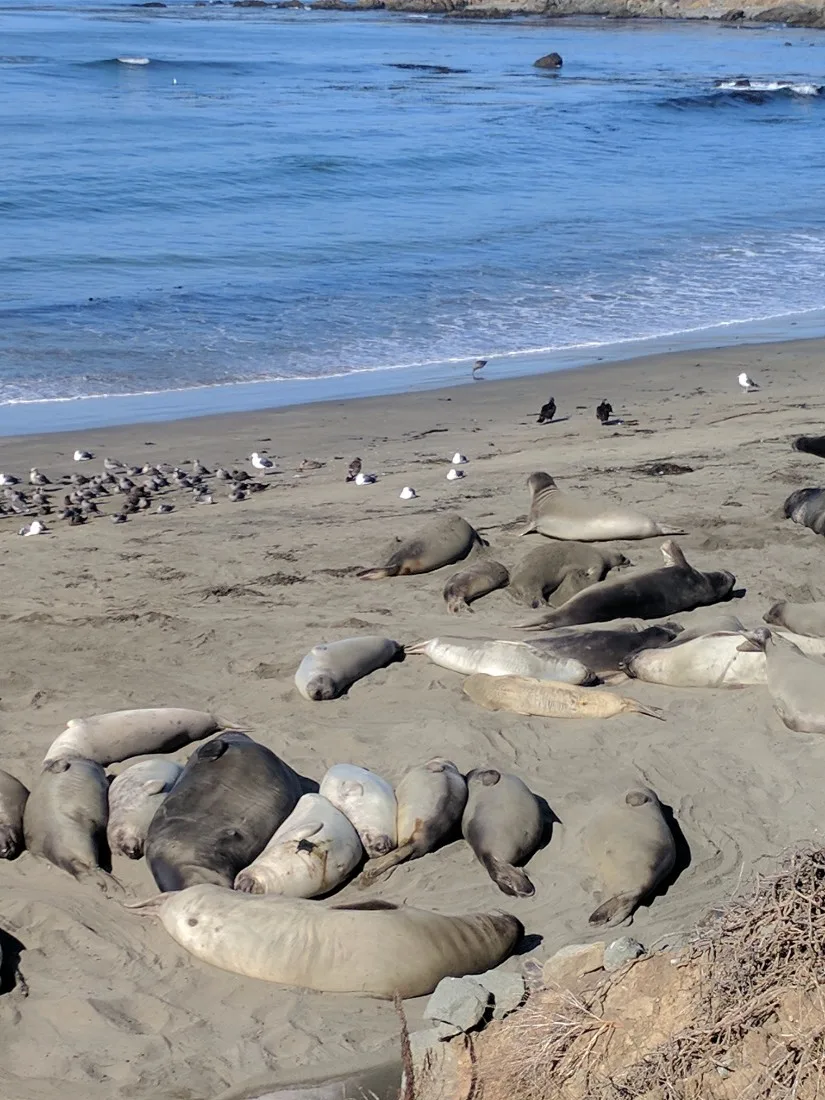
(470, 584)
(503, 824)
(442, 542)
(604, 649)
(561, 569)
(649, 595)
(13, 798)
(811, 445)
(807, 508)
(229, 800)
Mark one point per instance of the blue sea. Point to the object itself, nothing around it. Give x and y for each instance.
(215, 208)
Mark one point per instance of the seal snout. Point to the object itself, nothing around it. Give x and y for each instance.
(247, 883)
(774, 614)
(321, 687)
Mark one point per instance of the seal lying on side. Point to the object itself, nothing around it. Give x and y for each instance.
(66, 815)
(649, 595)
(811, 445)
(503, 824)
(13, 797)
(312, 853)
(229, 800)
(331, 668)
(447, 539)
(110, 738)
(560, 569)
(470, 584)
(796, 682)
(559, 515)
(709, 661)
(632, 849)
(501, 658)
(134, 797)
(807, 508)
(548, 700)
(800, 618)
(431, 799)
(374, 948)
(605, 649)
(367, 801)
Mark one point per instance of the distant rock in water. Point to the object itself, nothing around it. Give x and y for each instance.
(793, 15)
(549, 61)
(733, 15)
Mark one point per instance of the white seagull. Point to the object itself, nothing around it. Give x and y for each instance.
(261, 462)
(459, 459)
(83, 456)
(9, 479)
(366, 479)
(454, 475)
(36, 478)
(35, 528)
(408, 493)
(747, 383)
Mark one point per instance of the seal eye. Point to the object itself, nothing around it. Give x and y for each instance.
(192, 921)
(636, 798)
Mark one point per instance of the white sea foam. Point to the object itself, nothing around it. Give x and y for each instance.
(133, 60)
(742, 85)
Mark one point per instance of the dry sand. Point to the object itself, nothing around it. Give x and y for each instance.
(213, 607)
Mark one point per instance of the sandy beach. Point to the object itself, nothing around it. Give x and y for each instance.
(213, 607)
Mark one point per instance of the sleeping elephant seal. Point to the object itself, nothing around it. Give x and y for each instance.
(559, 515)
(470, 584)
(367, 801)
(134, 798)
(447, 539)
(807, 508)
(649, 595)
(66, 815)
(431, 799)
(503, 824)
(714, 660)
(811, 445)
(13, 797)
(799, 618)
(374, 948)
(502, 658)
(631, 847)
(555, 571)
(604, 650)
(796, 681)
(229, 800)
(110, 738)
(331, 668)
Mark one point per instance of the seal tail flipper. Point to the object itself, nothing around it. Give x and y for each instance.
(377, 574)
(672, 553)
(150, 906)
(385, 865)
(417, 647)
(636, 707)
(615, 910)
(509, 879)
(529, 529)
(754, 640)
(665, 529)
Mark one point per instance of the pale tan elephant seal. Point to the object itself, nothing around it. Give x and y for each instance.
(13, 798)
(431, 799)
(120, 734)
(470, 584)
(796, 681)
(443, 541)
(555, 571)
(134, 798)
(560, 515)
(632, 849)
(502, 658)
(374, 948)
(503, 824)
(368, 801)
(800, 618)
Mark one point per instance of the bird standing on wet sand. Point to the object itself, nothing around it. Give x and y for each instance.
(479, 365)
(747, 383)
(354, 469)
(548, 411)
(261, 462)
(604, 411)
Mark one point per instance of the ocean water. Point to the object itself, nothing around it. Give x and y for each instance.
(273, 207)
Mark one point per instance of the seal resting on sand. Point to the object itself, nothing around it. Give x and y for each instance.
(331, 668)
(811, 445)
(546, 699)
(807, 508)
(470, 584)
(560, 570)
(796, 681)
(442, 542)
(134, 798)
(800, 618)
(373, 948)
(120, 734)
(503, 658)
(13, 798)
(560, 515)
(503, 824)
(368, 801)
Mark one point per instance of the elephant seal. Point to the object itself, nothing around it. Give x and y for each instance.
(367, 801)
(134, 797)
(800, 618)
(502, 658)
(604, 650)
(312, 853)
(560, 568)
(677, 586)
(709, 661)
(442, 542)
(811, 445)
(470, 584)
(229, 800)
(503, 824)
(13, 797)
(110, 738)
(431, 799)
(559, 515)
(66, 815)
(546, 699)
(796, 681)
(630, 844)
(374, 948)
(807, 508)
(331, 668)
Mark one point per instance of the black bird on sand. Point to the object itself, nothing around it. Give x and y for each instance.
(548, 411)
(604, 411)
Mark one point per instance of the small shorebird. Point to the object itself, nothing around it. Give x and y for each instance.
(261, 462)
(83, 456)
(547, 412)
(604, 411)
(479, 365)
(747, 383)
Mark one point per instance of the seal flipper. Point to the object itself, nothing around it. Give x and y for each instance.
(615, 910)
(377, 574)
(509, 879)
(385, 865)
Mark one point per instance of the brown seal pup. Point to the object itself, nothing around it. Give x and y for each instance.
(472, 583)
(799, 618)
(546, 699)
(542, 571)
(374, 948)
(560, 515)
(229, 800)
(807, 508)
(503, 824)
(13, 797)
(632, 848)
(677, 586)
(442, 542)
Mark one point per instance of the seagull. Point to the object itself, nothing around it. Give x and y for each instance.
(223, 474)
(34, 528)
(454, 475)
(238, 494)
(747, 384)
(83, 456)
(354, 469)
(310, 464)
(164, 509)
(119, 517)
(199, 469)
(459, 459)
(112, 465)
(604, 411)
(365, 479)
(548, 411)
(9, 479)
(479, 365)
(36, 478)
(261, 462)
(407, 493)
